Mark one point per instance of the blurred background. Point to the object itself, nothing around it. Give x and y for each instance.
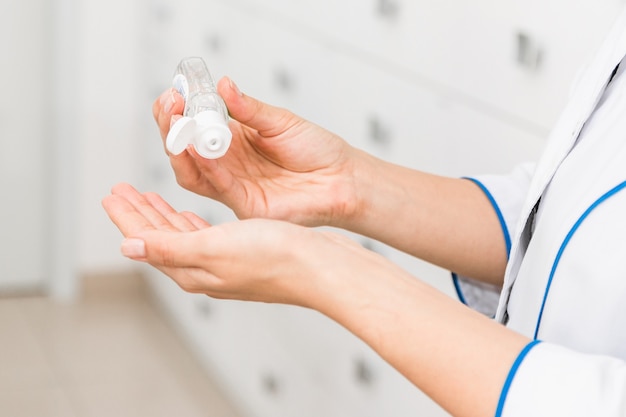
(455, 87)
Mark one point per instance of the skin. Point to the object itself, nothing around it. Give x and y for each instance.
(272, 171)
(278, 185)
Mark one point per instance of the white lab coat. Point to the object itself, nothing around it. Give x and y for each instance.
(565, 284)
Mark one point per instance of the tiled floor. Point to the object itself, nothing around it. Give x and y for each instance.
(109, 354)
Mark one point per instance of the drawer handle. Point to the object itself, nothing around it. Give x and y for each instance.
(284, 81)
(379, 133)
(363, 373)
(270, 384)
(204, 308)
(387, 9)
(529, 52)
(214, 43)
(163, 14)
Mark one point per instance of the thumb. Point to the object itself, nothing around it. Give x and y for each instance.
(162, 248)
(266, 119)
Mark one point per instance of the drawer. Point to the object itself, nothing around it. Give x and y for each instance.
(347, 376)
(407, 124)
(365, 385)
(325, 351)
(289, 71)
(260, 369)
(237, 343)
(209, 29)
(467, 49)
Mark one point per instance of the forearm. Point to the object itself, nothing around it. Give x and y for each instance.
(456, 356)
(445, 221)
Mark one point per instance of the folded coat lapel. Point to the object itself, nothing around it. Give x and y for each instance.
(583, 101)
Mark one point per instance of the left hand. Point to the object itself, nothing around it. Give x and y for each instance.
(434, 341)
(260, 260)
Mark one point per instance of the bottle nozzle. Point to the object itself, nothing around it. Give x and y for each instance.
(206, 132)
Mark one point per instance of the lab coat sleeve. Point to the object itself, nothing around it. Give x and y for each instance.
(550, 380)
(506, 194)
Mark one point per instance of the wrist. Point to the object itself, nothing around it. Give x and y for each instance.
(355, 209)
(335, 273)
(381, 199)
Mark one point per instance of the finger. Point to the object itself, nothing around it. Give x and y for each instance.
(170, 249)
(174, 119)
(190, 279)
(195, 280)
(198, 222)
(267, 120)
(175, 218)
(168, 104)
(125, 216)
(194, 175)
(143, 206)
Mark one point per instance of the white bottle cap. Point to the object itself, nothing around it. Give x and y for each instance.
(180, 135)
(207, 131)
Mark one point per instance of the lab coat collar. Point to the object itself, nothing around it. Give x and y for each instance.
(583, 101)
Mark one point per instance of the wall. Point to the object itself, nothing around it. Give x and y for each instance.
(24, 156)
(109, 116)
(68, 128)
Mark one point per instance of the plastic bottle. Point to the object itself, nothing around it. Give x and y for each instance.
(205, 119)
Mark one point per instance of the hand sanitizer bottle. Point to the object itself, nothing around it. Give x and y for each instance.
(205, 119)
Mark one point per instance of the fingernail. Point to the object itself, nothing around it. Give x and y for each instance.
(134, 248)
(168, 99)
(174, 119)
(235, 88)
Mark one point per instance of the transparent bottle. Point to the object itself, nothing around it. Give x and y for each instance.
(205, 119)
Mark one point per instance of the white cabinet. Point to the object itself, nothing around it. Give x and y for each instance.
(453, 87)
(417, 127)
(467, 49)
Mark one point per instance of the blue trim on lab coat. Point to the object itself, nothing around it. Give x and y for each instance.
(568, 238)
(509, 379)
(505, 232)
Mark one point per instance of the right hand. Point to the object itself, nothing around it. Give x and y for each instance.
(278, 166)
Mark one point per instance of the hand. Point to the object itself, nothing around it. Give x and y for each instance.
(261, 260)
(279, 165)
(433, 340)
